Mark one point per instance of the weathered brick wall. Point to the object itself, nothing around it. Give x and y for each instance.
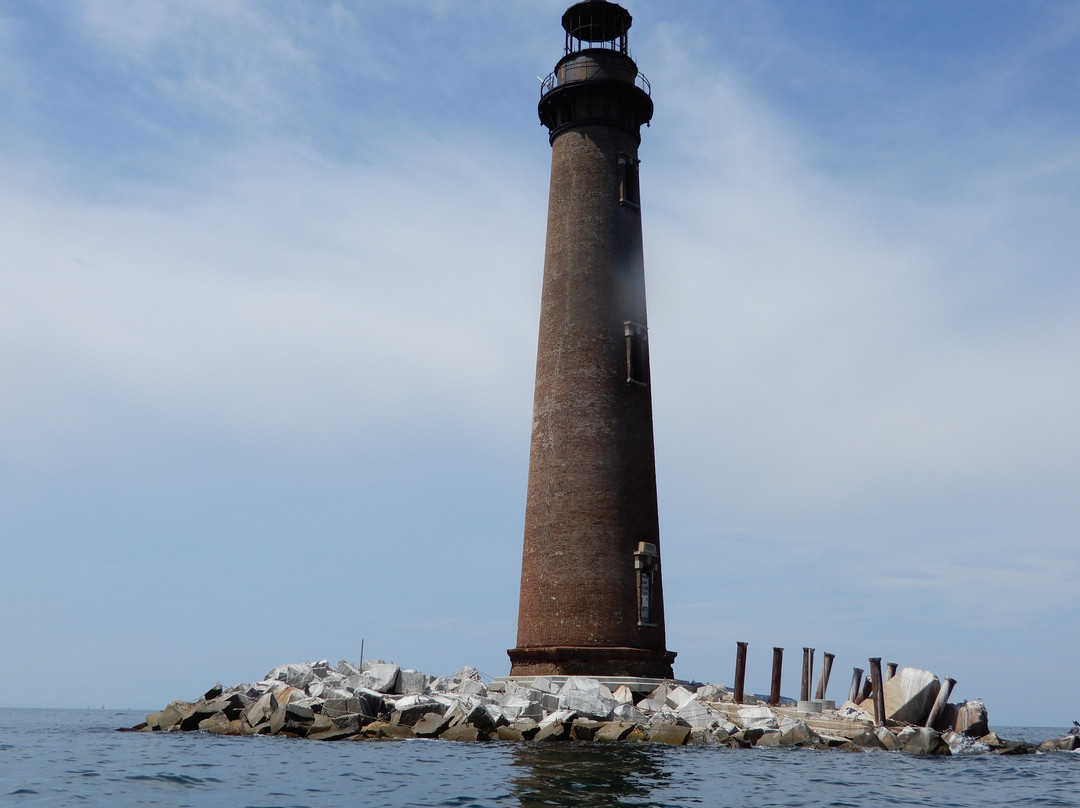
(592, 482)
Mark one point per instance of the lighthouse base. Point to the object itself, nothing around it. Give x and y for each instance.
(561, 660)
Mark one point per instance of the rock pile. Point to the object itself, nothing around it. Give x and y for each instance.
(380, 700)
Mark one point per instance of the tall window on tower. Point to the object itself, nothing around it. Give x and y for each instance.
(646, 562)
(629, 189)
(637, 353)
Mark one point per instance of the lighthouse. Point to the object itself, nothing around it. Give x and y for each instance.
(592, 596)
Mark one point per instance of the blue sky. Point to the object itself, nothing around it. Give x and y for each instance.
(268, 308)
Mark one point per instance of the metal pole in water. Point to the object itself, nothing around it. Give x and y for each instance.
(856, 684)
(777, 666)
(826, 671)
(740, 671)
(879, 697)
(940, 702)
(807, 672)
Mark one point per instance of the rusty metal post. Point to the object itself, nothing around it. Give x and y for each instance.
(940, 702)
(777, 666)
(890, 670)
(740, 671)
(826, 671)
(879, 696)
(807, 673)
(856, 685)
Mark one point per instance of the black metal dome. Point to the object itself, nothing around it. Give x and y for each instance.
(597, 21)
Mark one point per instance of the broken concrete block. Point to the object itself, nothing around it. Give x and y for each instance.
(558, 716)
(850, 711)
(545, 685)
(697, 714)
(971, 719)
(678, 697)
(794, 732)
(558, 731)
(509, 733)
(757, 718)
(298, 717)
(630, 713)
(234, 727)
(338, 730)
(770, 737)
(623, 695)
(347, 669)
(922, 741)
(909, 695)
(379, 676)
(585, 729)
(530, 693)
(200, 711)
(298, 676)
(515, 707)
(410, 709)
(216, 720)
(441, 684)
(587, 703)
(259, 711)
(411, 682)
(670, 734)
(383, 729)
(711, 693)
(470, 687)
(170, 716)
(468, 672)
(1066, 743)
(527, 727)
(431, 725)
(651, 705)
(586, 685)
(887, 737)
(614, 731)
(349, 705)
(867, 739)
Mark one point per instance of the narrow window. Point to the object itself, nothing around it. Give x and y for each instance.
(646, 563)
(645, 608)
(637, 353)
(629, 190)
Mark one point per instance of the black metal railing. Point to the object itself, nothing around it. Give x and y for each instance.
(552, 81)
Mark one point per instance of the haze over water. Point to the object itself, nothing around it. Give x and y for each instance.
(75, 757)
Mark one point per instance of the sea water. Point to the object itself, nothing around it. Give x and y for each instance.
(76, 758)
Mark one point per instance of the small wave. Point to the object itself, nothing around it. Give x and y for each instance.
(21, 791)
(166, 777)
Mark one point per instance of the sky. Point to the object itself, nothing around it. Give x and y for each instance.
(269, 295)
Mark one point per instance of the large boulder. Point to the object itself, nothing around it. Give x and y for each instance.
(382, 677)
(757, 718)
(909, 696)
(589, 704)
(670, 734)
(922, 741)
(1066, 743)
(698, 715)
(971, 719)
(679, 697)
(410, 709)
(170, 716)
(412, 683)
(614, 731)
(295, 675)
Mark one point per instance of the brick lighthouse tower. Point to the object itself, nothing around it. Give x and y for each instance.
(591, 591)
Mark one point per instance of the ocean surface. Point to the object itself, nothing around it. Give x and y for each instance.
(76, 758)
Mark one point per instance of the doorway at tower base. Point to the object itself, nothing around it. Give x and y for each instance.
(561, 660)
